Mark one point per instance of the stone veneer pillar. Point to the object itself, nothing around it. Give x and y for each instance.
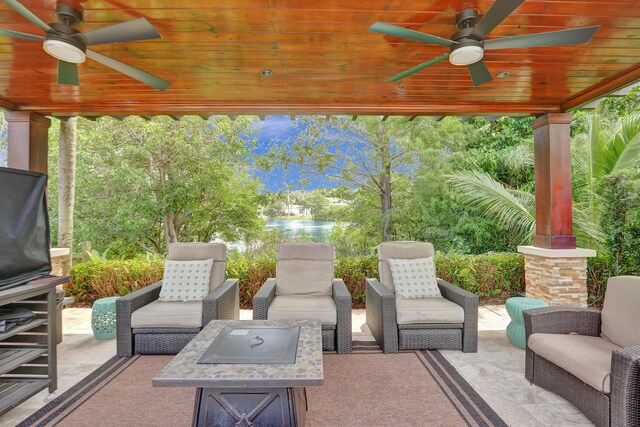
(557, 276)
(57, 268)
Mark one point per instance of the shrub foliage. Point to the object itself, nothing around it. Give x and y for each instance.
(491, 276)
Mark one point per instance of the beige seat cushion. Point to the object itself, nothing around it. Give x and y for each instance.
(399, 250)
(168, 314)
(289, 307)
(587, 358)
(621, 312)
(428, 310)
(202, 251)
(305, 269)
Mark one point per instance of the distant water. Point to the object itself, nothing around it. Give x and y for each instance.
(318, 231)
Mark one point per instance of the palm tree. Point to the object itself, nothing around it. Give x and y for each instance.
(604, 148)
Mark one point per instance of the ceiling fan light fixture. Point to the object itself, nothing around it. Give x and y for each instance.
(64, 51)
(466, 55)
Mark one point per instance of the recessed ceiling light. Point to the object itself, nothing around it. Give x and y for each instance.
(266, 73)
(502, 75)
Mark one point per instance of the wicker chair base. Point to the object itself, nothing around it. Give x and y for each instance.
(591, 402)
(441, 339)
(161, 343)
(328, 338)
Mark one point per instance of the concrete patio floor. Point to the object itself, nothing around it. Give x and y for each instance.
(496, 371)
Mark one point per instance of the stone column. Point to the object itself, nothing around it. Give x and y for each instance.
(555, 270)
(557, 276)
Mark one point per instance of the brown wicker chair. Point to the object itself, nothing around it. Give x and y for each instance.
(142, 321)
(440, 333)
(304, 288)
(591, 358)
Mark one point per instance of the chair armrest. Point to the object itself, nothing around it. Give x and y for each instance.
(456, 294)
(381, 315)
(625, 387)
(342, 299)
(561, 320)
(469, 303)
(221, 303)
(262, 299)
(125, 306)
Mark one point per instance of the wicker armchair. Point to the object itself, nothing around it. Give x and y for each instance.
(591, 358)
(148, 326)
(429, 323)
(304, 288)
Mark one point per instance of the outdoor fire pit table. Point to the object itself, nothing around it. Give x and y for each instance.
(251, 372)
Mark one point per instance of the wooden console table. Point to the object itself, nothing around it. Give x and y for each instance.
(28, 352)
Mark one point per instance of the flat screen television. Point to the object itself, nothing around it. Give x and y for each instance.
(24, 227)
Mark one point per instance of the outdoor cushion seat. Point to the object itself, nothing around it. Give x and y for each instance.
(448, 322)
(168, 314)
(591, 358)
(146, 325)
(428, 310)
(303, 307)
(304, 288)
(588, 358)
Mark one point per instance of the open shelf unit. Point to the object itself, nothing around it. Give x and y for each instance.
(28, 352)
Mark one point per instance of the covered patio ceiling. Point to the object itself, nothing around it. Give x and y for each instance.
(323, 59)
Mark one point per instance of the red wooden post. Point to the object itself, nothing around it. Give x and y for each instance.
(552, 145)
(28, 141)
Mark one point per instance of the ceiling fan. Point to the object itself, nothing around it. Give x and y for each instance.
(69, 46)
(467, 45)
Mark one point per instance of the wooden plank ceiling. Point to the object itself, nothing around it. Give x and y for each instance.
(323, 58)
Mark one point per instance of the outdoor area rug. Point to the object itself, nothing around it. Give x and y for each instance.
(367, 388)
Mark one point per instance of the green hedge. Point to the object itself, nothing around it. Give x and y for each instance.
(491, 276)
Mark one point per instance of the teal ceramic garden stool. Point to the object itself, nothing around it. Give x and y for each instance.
(103, 318)
(515, 306)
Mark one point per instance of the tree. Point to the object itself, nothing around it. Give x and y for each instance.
(368, 154)
(66, 187)
(603, 149)
(145, 184)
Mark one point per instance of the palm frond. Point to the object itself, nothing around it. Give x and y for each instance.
(513, 209)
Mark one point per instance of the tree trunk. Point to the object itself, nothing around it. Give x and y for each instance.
(385, 192)
(66, 188)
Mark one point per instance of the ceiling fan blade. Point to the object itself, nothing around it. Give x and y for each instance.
(68, 73)
(130, 71)
(479, 73)
(27, 14)
(138, 29)
(552, 38)
(418, 68)
(392, 30)
(25, 36)
(494, 16)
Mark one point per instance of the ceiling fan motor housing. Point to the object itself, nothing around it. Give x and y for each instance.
(61, 44)
(467, 50)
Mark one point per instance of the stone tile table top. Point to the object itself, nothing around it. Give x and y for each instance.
(184, 371)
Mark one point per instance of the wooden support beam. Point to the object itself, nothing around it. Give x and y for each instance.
(612, 85)
(552, 157)
(27, 141)
(412, 118)
(384, 118)
(7, 105)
